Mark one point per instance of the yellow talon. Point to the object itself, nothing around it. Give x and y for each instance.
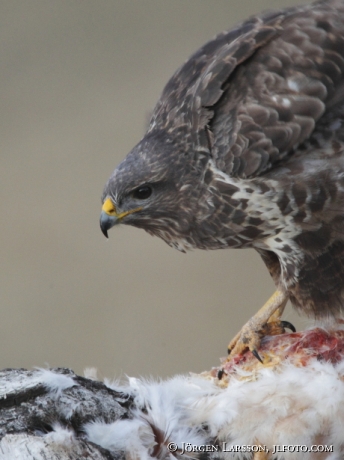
(262, 323)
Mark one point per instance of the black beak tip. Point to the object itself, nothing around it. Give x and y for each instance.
(104, 231)
(106, 222)
(104, 228)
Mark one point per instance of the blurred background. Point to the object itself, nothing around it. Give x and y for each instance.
(78, 81)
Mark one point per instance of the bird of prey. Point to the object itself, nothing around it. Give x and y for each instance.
(245, 149)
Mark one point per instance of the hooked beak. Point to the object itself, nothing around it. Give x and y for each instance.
(109, 216)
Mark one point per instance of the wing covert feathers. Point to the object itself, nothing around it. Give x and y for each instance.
(251, 96)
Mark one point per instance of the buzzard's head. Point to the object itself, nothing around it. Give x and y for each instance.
(153, 189)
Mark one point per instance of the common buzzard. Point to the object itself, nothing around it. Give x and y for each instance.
(245, 148)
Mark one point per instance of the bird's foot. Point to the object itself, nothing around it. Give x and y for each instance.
(267, 321)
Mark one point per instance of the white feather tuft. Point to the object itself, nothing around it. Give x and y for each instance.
(55, 382)
(61, 435)
(91, 373)
(130, 436)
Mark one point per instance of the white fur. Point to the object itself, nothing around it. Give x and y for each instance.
(295, 405)
(274, 406)
(281, 405)
(133, 437)
(91, 373)
(18, 383)
(60, 435)
(55, 382)
(22, 382)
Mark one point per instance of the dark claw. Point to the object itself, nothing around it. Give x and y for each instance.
(220, 374)
(256, 355)
(287, 325)
(229, 351)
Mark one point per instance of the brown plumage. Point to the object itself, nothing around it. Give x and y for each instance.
(245, 148)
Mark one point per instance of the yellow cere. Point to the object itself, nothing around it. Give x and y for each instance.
(109, 207)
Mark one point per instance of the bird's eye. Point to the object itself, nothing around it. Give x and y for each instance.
(143, 192)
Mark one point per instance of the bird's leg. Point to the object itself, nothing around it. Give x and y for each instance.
(267, 321)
